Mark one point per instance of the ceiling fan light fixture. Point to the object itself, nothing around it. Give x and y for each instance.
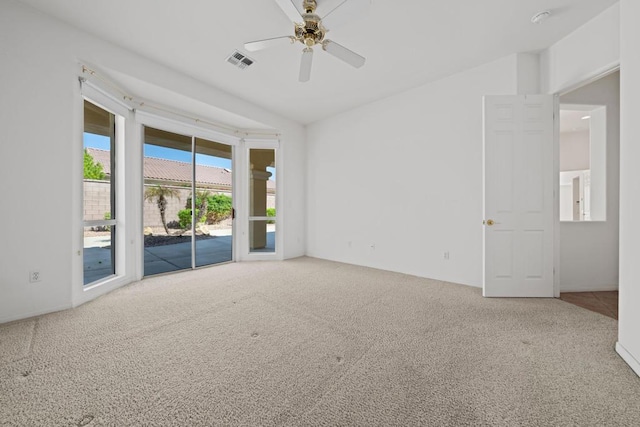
(310, 31)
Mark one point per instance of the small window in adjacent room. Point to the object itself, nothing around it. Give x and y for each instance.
(262, 200)
(583, 145)
(99, 201)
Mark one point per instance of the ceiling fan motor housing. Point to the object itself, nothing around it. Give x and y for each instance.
(311, 32)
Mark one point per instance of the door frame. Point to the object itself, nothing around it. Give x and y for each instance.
(569, 86)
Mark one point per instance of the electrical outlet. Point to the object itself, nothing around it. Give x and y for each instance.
(446, 255)
(35, 276)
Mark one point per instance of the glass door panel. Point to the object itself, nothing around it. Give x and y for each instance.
(168, 174)
(214, 208)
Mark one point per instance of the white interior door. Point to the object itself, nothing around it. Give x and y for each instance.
(518, 196)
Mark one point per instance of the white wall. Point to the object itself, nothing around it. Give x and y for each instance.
(600, 153)
(396, 183)
(41, 145)
(589, 250)
(566, 202)
(594, 48)
(574, 151)
(528, 73)
(629, 310)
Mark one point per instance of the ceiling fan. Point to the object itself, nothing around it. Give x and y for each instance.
(310, 30)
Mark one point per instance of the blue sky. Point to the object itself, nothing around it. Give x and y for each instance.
(102, 142)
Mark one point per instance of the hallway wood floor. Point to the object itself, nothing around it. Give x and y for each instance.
(601, 302)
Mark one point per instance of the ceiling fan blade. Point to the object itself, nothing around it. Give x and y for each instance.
(345, 12)
(305, 65)
(341, 52)
(290, 10)
(267, 43)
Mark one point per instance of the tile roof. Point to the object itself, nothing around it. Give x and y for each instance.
(174, 171)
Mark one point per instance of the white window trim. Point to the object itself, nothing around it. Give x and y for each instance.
(261, 143)
(100, 97)
(176, 124)
(124, 272)
(247, 255)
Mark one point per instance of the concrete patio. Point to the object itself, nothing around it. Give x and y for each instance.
(163, 259)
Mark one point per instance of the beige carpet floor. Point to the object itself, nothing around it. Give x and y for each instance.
(312, 342)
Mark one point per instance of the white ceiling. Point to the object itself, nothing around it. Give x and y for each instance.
(572, 117)
(571, 121)
(153, 95)
(406, 43)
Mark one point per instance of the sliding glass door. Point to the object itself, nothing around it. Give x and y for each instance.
(187, 202)
(167, 185)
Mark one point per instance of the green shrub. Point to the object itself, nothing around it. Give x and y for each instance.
(184, 218)
(92, 169)
(201, 204)
(272, 213)
(215, 208)
(219, 208)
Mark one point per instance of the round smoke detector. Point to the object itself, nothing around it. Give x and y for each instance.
(540, 17)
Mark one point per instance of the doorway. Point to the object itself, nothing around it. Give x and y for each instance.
(188, 204)
(589, 181)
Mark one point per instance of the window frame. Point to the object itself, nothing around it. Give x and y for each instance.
(247, 254)
(95, 95)
(115, 145)
(166, 122)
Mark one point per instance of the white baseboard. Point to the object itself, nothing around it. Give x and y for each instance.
(28, 315)
(577, 288)
(627, 357)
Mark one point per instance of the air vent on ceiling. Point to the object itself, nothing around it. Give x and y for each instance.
(239, 60)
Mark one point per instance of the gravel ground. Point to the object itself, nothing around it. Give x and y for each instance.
(157, 239)
(150, 241)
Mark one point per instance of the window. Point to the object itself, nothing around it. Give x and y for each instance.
(262, 200)
(99, 201)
